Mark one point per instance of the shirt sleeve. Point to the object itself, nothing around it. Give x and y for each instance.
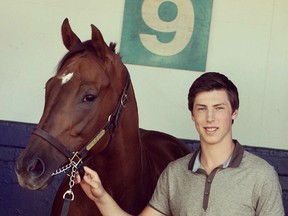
(160, 197)
(270, 198)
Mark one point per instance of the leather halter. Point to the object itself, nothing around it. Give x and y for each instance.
(110, 126)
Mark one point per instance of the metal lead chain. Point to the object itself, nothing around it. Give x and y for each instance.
(75, 161)
(69, 195)
(62, 169)
(72, 176)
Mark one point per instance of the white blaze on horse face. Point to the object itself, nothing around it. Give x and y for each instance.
(66, 78)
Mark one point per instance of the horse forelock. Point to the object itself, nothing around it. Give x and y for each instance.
(81, 48)
(78, 49)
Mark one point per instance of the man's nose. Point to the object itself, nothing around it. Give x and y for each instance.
(210, 115)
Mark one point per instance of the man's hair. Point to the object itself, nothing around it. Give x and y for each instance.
(213, 81)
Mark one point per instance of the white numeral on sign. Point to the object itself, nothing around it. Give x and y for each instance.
(182, 26)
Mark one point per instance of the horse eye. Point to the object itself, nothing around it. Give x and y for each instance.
(89, 98)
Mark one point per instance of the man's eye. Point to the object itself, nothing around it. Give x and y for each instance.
(219, 108)
(201, 109)
(89, 98)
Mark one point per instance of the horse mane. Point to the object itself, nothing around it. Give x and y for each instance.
(80, 48)
(112, 47)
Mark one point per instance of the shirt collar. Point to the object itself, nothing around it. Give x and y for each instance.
(197, 163)
(233, 161)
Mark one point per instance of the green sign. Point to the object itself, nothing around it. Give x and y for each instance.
(162, 33)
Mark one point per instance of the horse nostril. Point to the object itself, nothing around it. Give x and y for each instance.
(36, 168)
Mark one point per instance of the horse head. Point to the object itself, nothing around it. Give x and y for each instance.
(84, 97)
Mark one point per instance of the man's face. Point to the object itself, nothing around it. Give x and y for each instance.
(212, 115)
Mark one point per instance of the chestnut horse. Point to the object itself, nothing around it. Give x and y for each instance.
(90, 116)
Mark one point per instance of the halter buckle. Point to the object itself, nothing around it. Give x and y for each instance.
(124, 100)
(75, 160)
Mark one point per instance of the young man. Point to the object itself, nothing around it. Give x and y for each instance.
(221, 178)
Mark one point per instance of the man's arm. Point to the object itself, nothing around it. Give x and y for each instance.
(92, 186)
(270, 202)
(149, 211)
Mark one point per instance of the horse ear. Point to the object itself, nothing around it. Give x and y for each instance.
(69, 38)
(98, 41)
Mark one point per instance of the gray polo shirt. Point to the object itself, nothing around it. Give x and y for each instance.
(245, 185)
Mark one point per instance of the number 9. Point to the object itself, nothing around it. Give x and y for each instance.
(182, 25)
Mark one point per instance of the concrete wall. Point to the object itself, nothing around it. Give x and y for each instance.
(248, 42)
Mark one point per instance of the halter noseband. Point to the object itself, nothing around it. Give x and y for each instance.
(76, 158)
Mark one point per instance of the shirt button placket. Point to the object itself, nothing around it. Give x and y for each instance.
(207, 191)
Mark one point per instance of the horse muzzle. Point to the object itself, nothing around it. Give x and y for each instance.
(31, 174)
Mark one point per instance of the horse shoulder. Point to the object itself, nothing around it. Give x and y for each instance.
(161, 148)
(158, 141)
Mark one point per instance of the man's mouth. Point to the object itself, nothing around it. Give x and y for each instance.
(211, 129)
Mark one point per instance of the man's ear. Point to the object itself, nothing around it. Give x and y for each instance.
(192, 117)
(235, 114)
